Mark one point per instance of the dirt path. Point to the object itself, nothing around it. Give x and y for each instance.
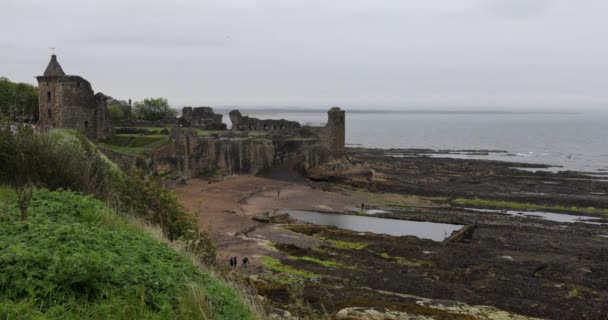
(226, 207)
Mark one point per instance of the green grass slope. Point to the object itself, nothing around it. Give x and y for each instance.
(76, 259)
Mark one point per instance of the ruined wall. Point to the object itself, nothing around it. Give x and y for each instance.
(192, 155)
(300, 153)
(103, 127)
(333, 135)
(245, 123)
(124, 162)
(201, 117)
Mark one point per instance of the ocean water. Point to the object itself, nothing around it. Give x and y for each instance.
(569, 141)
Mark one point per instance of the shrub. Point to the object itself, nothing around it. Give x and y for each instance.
(118, 112)
(153, 109)
(65, 159)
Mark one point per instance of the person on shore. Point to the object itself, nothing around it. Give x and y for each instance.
(236, 261)
(363, 206)
(231, 263)
(279, 193)
(245, 262)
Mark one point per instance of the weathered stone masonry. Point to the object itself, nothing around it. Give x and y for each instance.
(201, 117)
(245, 123)
(69, 102)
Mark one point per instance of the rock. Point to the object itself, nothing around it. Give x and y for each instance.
(373, 314)
(345, 172)
(279, 314)
(274, 217)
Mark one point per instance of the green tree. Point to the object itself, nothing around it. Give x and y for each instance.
(18, 99)
(118, 112)
(153, 109)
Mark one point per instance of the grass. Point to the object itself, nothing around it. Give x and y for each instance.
(325, 263)
(525, 206)
(404, 261)
(346, 245)
(276, 265)
(135, 144)
(76, 259)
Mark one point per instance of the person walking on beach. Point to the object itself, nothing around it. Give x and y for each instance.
(236, 261)
(245, 262)
(231, 263)
(279, 193)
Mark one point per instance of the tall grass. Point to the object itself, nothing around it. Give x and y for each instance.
(65, 159)
(77, 259)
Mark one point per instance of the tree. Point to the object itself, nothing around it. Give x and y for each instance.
(153, 109)
(18, 99)
(118, 112)
(20, 151)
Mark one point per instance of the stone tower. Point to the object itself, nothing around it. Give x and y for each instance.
(69, 102)
(336, 127)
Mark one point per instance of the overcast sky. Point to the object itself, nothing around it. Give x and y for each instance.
(410, 54)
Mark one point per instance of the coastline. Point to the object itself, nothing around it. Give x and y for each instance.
(502, 247)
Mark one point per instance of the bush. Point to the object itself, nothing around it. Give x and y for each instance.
(65, 159)
(118, 112)
(153, 109)
(18, 99)
(74, 258)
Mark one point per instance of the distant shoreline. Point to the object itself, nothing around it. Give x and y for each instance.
(263, 110)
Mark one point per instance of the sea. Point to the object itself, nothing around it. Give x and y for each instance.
(576, 141)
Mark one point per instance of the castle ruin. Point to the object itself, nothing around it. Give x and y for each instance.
(253, 145)
(202, 118)
(69, 102)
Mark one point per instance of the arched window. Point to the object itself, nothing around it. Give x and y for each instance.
(49, 113)
(86, 123)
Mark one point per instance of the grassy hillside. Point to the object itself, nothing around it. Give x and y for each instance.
(76, 259)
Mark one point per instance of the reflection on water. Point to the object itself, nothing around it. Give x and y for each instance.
(558, 217)
(424, 230)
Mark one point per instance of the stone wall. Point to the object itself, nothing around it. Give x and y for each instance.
(124, 162)
(245, 123)
(333, 135)
(300, 154)
(201, 117)
(192, 155)
(233, 152)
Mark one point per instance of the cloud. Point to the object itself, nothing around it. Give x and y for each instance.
(316, 52)
(518, 9)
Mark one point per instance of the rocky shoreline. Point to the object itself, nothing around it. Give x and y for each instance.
(510, 265)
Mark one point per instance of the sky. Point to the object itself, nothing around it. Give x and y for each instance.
(383, 54)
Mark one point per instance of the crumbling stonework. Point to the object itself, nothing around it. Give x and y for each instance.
(201, 117)
(333, 135)
(245, 123)
(232, 152)
(69, 102)
(193, 156)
